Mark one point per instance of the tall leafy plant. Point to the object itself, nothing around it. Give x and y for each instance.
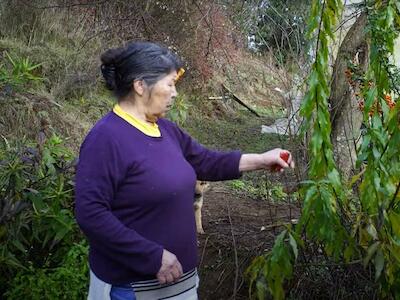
(380, 187)
(21, 72)
(37, 226)
(357, 221)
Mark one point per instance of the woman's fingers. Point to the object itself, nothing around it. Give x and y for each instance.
(171, 268)
(169, 278)
(281, 159)
(176, 273)
(161, 278)
(291, 162)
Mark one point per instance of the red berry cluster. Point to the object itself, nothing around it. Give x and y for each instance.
(375, 107)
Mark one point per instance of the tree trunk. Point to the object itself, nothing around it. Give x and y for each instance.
(345, 114)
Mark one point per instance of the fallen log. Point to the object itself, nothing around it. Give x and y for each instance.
(236, 98)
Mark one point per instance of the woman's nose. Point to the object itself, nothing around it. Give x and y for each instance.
(174, 92)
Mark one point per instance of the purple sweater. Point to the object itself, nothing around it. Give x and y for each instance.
(134, 196)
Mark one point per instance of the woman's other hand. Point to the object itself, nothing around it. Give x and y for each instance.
(275, 160)
(171, 269)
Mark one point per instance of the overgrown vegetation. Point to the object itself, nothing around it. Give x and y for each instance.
(20, 73)
(37, 227)
(66, 281)
(357, 221)
(260, 188)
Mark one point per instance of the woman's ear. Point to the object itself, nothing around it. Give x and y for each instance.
(139, 87)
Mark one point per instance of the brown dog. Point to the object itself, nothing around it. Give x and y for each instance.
(201, 187)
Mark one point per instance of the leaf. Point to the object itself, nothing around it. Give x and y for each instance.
(369, 99)
(395, 222)
(379, 263)
(11, 260)
(309, 182)
(19, 245)
(372, 231)
(310, 194)
(334, 178)
(293, 244)
(279, 239)
(316, 143)
(261, 290)
(395, 251)
(348, 253)
(397, 3)
(370, 252)
(10, 59)
(38, 205)
(389, 16)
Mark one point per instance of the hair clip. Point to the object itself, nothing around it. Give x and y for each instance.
(180, 73)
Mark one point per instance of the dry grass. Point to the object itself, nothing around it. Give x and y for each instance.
(69, 100)
(24, 115)
(254, 80)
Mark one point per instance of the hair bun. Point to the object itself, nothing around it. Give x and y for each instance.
(111, 56)
(109, 61)
(108, 72)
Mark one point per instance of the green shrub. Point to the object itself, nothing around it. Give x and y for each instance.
(37, 227)
(179, 110)
(259, 188)
(21, 72)
(68, 281)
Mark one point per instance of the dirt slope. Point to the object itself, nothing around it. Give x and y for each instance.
(235, 225)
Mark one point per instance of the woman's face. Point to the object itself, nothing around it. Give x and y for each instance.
(162, 96)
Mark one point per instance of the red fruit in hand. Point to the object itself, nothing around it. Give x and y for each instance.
(285, 157)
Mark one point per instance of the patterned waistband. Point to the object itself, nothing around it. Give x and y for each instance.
(185, 288)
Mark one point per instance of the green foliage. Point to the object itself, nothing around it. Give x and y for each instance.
(22, 71)
(379, 189)
(37, 226)
(358, 221)
(323, 195)
(67, 281)
(259, 188)
(179, 110)
(269, 272)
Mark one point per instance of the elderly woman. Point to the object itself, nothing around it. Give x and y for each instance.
(135, 182)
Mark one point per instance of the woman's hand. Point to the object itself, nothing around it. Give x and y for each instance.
(275, 160)
(171, 269)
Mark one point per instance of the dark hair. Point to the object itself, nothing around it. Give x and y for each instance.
(137, 60)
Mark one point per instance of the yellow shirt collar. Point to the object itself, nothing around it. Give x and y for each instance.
(148, 129)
